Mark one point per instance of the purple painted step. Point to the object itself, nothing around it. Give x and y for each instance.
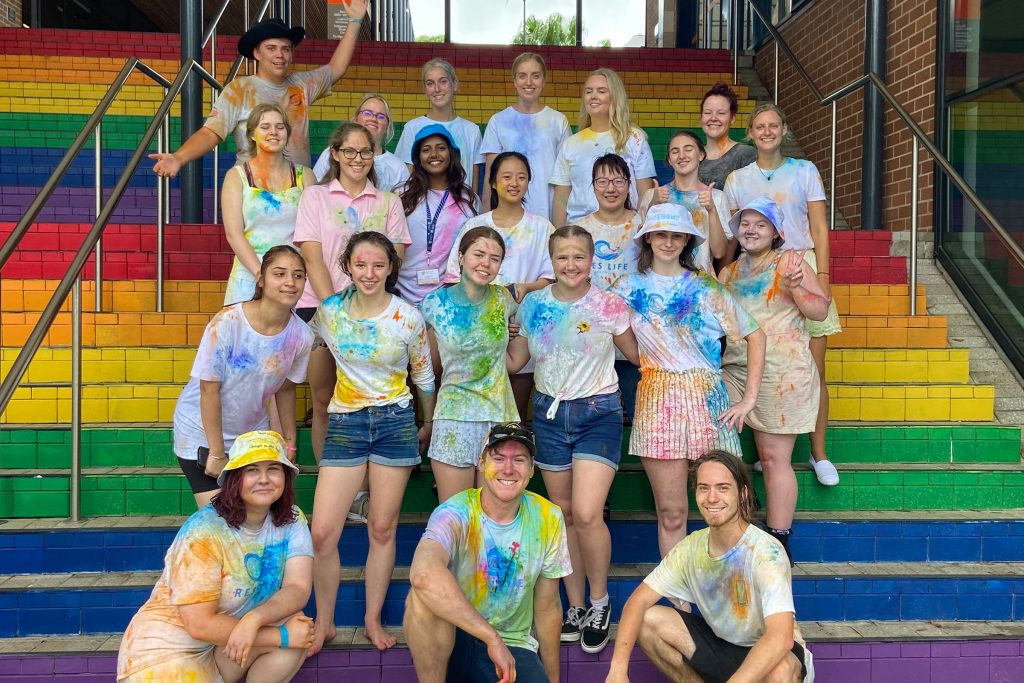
(77, 204)
(978, 661)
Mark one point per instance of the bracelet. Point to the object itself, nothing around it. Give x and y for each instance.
(822, 272)
(218, 457)
(284, 636)
(353, 20)
(290, 449)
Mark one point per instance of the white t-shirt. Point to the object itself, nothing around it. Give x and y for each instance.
(734, 592)
(391, 171)
(691, 202)
(526, 249)
(572, 341)
(417, 261)
(250, 367)
(574, 166)
(615, 250)
(466, 135)
(792, 186)
(535, 136)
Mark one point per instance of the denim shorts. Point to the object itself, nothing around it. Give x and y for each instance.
(384, 435)
(469, 662)
(585, 428)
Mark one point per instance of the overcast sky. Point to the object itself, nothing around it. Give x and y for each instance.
(496, 21)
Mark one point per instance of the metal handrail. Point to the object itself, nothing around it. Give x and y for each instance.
(921, 138)
(985, 88)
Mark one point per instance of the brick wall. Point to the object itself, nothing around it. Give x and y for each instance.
(828, 39)
(6, 17)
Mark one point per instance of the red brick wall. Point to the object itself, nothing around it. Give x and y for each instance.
(828, 39)
(5, 8)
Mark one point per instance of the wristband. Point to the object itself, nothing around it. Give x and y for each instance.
(284, 636)
(356, 20)
(290, 449)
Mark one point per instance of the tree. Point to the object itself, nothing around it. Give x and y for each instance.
(555, 30)
(430, 39)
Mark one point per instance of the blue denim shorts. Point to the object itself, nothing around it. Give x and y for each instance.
(585, 428)
(469, 662)
(384, 435)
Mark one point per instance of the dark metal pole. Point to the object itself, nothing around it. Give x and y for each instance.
(191, 109)
(447, 21)
(872, 189)
(579, 23)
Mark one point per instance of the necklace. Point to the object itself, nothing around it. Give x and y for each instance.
(769, 173)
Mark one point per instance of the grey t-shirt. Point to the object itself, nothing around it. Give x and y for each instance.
(717, 170)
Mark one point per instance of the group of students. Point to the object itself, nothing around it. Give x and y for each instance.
(422, 324)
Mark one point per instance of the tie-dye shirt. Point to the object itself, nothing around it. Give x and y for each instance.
(298, 91)
(472, 340)
(615, 251)
(497, 565)
(690, 200)
(449, 225)
(467, 139)
(572, 341)
(535, 136)
(575, 166)
(250, 367)
(328, 214)
(209, 561)
(526, 249)
(373, 355)
(734, 592)
(792, 186)
(678, 321)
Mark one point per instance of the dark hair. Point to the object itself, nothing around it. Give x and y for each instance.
(777, 241)
(481, 232)
(378, 240)
(335, 142)
(748, 500)
(414, 190)
(229, 504)
(722, 89)
(613, 162)
(268, 258)
(492, 178)
(646, 258)
(688, 133)
(568, 232)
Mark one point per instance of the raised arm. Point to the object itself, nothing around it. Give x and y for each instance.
(799, 280)
(547, 619)
(717, 241)
(356, 10)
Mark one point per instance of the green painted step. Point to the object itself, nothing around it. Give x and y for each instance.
(151, 447)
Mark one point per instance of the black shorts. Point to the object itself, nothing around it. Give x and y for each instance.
(716, 660)
(198, 480)
(306, 314)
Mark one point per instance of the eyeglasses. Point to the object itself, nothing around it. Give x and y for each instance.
(373, 115)
(351, 154)
(603, 183)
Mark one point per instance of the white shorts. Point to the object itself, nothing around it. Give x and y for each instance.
(458, 443)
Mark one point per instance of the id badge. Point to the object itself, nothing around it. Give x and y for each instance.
(428, 276)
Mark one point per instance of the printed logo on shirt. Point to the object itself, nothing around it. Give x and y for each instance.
(604, 251)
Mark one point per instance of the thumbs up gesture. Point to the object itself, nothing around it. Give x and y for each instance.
(706, 199)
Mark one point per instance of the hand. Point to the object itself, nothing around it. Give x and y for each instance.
(300, 632)
(707, 199)
(423, 434)
(513, 327)
(241, 638)
(356, 9)
(662, 194)
(733, 418)
(793, 273)
(166, 166)
(504, 662)
(215, 463)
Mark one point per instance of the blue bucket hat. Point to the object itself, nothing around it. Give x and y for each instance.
(433, 129)
(669, 218)
(765, 206)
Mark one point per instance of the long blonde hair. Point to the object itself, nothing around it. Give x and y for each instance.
(619, 118)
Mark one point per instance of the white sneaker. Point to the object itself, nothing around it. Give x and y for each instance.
(825, 471)
(757, 466)
(361, 504)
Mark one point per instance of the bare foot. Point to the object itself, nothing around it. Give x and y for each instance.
(321, 635)
(380, 638)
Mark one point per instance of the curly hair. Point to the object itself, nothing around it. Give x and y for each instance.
(722, 89)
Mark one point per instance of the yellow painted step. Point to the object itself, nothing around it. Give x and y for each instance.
(926, 403)
(897, 366)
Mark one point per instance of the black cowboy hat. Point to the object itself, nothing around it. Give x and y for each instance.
(265, 30)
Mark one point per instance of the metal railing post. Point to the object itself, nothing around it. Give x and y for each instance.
(216, 148)
(734, 33)
(162, 201)
(832, 173)
(76, 402)
(914, 167)
(775, 91)
(98, 171)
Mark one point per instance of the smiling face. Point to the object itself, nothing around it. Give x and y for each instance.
(271, 133)
(373, 116)
(439, 87)
(572, 260)
(666, 246)
(529, 81)
(611, 188)
(481, 261)
(756, 232)
(716, 117)
(435, 155)
(273, 57)
(262, 483)
(356, 169)
(511, 181)
(283, 280)
(717, 494)
(370, 267)
(767, 131)
(684, 155)
(507, 468)
(597, 98)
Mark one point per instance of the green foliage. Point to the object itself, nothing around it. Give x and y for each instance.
(555, 30)
(430, 39)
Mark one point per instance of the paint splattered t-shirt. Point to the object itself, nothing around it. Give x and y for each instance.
(472, 339)
(465, 133)
(690, 200)
(615, 251)
(572, 341)
(328, 214)
(373, 355)
(449, 226)
(298, 91)
(497, 565)
(574, 166)
(526, 249)
(678, 321)
(537, 137)
(734, 592)
(792, 186)
(250, 367)
(209, 561)
(391, 171)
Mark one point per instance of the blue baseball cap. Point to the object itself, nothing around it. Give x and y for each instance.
(765, 206)
(434, 129)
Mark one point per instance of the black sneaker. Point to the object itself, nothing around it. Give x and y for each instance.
(571, 624)
(594, 629)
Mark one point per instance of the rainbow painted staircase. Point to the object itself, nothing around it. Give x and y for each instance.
(910, 570)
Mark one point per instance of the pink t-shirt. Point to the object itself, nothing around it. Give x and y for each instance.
(328, 214)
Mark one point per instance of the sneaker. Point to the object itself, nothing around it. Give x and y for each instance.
(757, 466)
(360, 506)
(571, 624)
(594, 629)
(825, 471)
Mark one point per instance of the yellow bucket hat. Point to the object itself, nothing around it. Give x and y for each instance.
(258, 446)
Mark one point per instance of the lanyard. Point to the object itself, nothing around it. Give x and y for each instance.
(432, 220)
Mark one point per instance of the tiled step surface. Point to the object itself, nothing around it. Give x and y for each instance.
(891, 332)
(897, 366)
(918, 403)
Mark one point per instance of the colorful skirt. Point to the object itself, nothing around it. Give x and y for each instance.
(677, 415)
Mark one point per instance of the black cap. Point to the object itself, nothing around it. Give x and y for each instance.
(265, 30)
(512, 431)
